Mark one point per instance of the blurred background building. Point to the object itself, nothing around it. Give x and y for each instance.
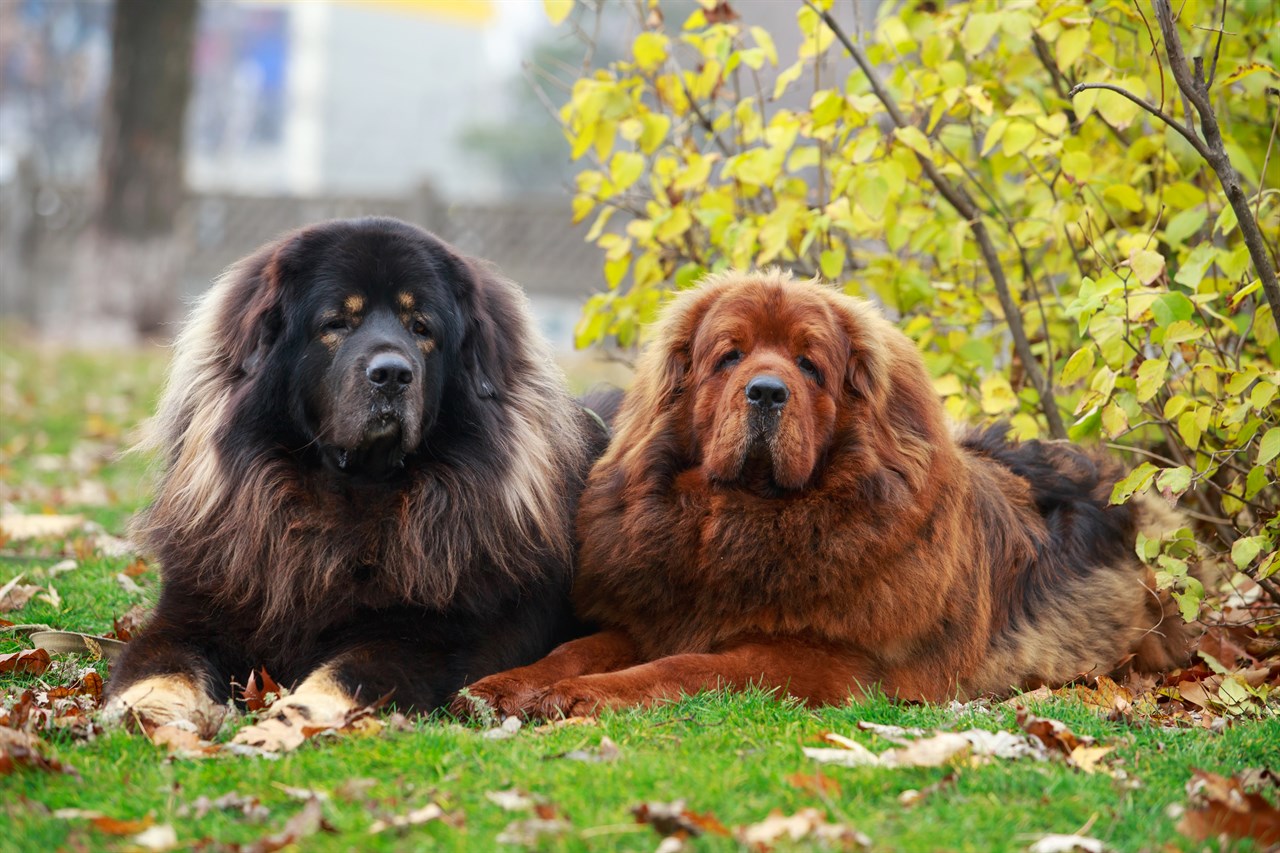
(300, 110)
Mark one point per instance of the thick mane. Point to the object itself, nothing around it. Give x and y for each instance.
(255, 527)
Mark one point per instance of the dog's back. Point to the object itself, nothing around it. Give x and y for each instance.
(1078, 602)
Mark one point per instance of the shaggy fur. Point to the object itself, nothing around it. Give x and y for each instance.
(840, 538)
(372, 466)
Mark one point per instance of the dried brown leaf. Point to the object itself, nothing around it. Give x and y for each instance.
(114, 826)
(1221, 806)
(817, 783)
(531, 832)
(15, 595)
(426, 814)
(28, 661)
(1052, 733)
(676, 819)
(806, 824)
(258, 697)
(22, 749)
(308, 821)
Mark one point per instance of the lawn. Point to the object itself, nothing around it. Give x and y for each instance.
(733, 760)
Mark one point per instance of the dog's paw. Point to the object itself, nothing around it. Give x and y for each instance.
(573, 697)
(497, 697)
(165, 700)
(282, 727)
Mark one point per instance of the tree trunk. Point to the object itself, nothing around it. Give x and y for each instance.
(126, 270)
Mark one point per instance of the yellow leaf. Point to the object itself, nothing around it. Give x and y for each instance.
(1125, 196)
(765, 43)
(1079, 365)
(997, 395)
(914, 139)
(1017, 136)
(1077, 165)
(1150, 378)
(655, 130)
(1070, 46)
(557, 10)
(994, 133)
(625, 168)
(650, 50)
(978, 30)
(1146, 265)
(786, 77)
(1117, 109)
(1084, 102)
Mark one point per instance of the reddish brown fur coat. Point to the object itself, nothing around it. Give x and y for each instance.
(868, 546)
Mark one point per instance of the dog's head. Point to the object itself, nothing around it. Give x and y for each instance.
(757, 378)
(355, 336)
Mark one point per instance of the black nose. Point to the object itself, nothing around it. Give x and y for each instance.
(389, 372)
(767, 392)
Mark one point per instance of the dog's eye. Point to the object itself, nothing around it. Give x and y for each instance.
(421, 329)
(810, 368)
(336, 324)
(729, 359)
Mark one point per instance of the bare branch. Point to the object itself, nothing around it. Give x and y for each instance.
(959, 199)
(1198, 93)
(1151, 108)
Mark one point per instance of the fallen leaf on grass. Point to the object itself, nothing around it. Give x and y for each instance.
(129, 585)
(531, 832)
(14, 595)
(564, 722)
(257, 697)
(157, 838)
(934, 751)
(912, 797)
(1088, 759)
(513, 800)
(506, 730)
(426, 814)
(22, 749)
(353, 789)
(39, 526)
(61, 568)
(894, 734)
(248, 806)
(28, 661)
(114, 826)
(1221, 806)
(817, 783)
(303, 794)
(308, 821)
(607, 751)
(1067, 844)
(806, 824)
(182, 741)
(125, 626)
(1052, 733)
(674, 819)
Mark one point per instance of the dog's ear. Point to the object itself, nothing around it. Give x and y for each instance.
(253, 314)
(494, 322)
(867, 369)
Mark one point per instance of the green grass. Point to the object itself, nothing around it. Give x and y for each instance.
(730, 756)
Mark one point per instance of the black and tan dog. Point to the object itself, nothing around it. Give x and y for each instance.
(371, 472)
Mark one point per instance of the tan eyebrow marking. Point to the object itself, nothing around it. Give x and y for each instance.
(354, 303)
(405, 298)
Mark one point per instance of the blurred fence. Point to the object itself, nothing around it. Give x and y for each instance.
(531, 240)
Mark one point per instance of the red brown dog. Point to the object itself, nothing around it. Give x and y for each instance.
(784, 504)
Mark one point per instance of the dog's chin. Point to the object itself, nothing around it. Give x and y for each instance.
(375, 451)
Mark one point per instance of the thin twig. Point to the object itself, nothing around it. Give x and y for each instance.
(1151, 108)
